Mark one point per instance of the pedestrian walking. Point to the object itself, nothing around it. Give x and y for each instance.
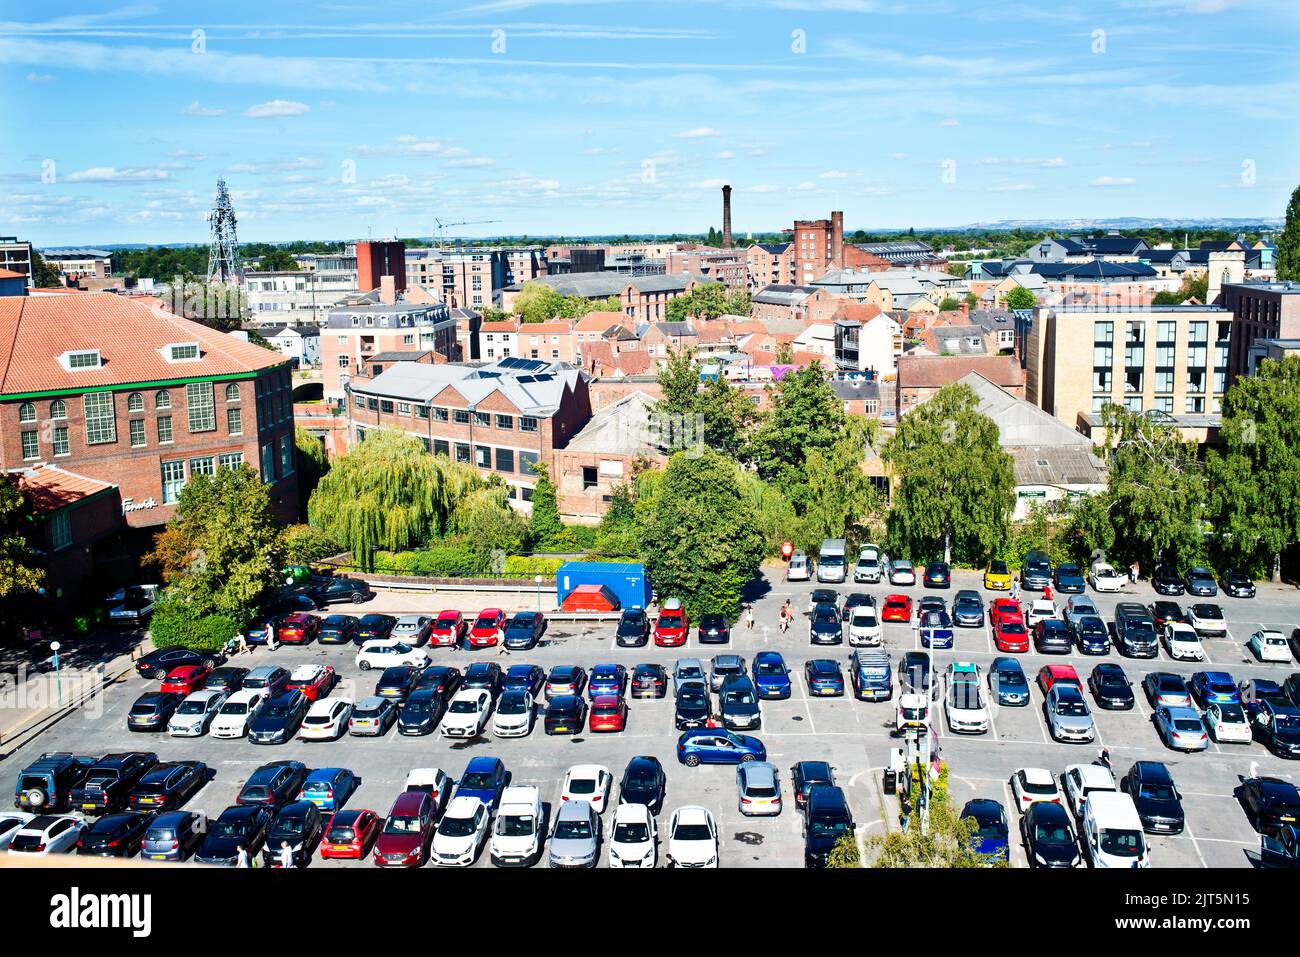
(286, 854)
(749, 617)
(1133, 571)
(1047, 592)
(1015, 588)
(1104, 758)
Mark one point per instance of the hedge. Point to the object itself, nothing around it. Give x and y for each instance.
(304, 544)
(460, 561)
(174, 626)
(528, 565)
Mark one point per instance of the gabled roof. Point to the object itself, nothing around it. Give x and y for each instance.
(50, 488)
(621, 428)
(533, 386)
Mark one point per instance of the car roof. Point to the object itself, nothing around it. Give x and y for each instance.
(633, 812)
(325, 705)
(481, 764)
(587, 771)
(305, 672)
(448, 613)
(580, 810)
(1037, 776)
(692, 814)
(372, 701)
(1153, 771)
(1094, 775)
(408, 802)
(759, 772)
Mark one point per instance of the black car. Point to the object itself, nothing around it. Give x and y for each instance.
(291, 600)
(239, 826)
(693, 706)
(337, 590)
(440, 678)
(165, 787)
(374, 628)
(397, 682)
(420, 712)
(298, 826)
(279, 719)
(1238, 584)
(738, 704)
(1069, 579)
(968, 609)
(714, 629)
(273, 784)
(485, 675)
(228, 679)
(108, 784)
(1090, 635)
(1049, 836)
(524, 630)
(1276, 727)
(1291, 687)
(1158, 803)
(1166, 612)
(937, 575)
(338, 630)
(158, 663)
(115, 835)
(827, 818)
(857, 599)
(1200, 582)
(565, 714)
(633, 628)
(914, 673)
(648, 681)
(1051, 637)
(643, 782)
(1281, 849)
(1167, 581)
(1270, 803)
(823, 596)
(805, 775)
(1111, 688)
(152, 710)
(825, 627)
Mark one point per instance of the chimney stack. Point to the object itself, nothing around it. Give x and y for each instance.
(726, 217)
(837, 239)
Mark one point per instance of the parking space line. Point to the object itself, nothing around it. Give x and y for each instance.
(796, 678)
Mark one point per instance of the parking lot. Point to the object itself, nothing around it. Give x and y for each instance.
(853, 736)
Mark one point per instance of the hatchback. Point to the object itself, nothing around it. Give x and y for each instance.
(759, 789)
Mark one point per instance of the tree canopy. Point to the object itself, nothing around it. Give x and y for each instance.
(1021, 298)
(805, 414)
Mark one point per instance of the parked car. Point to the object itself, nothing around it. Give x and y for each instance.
(633, 629)
(968, 609)
(397, 682)
(1200, 582)
(576, 836)
(608, 713)
(279, 719)
(350, 834)
(937, 575)
(673, 625)
(195, 714)
(991, 830)
(1269, 645)
(1111, 688)
(237, 712)
(692, 838)
(328, 788)
(1069, 579)
(771, 675)
(1237, 584)
(1166, 580)
(824, 677)
(1163, 688)
(1182, 643)
(896, 608)
(997, 577)
(407, 832)
(606, 679)
(467, 713)
(157, 663)
(167, 786)
(295, 832)
(1081, 781)
(271, 679)
(718, 746)
(412, 629)
(524, 630)
(1068, 716)
(228, 679)
(1207, 686)
(1104, 578)
(1052, 637)
(1049, 837)
(298, 628)
(1227, 723)
(1007, 683)
(326, 720)
(565, 714)
(643, 782)
(385, 654)
(314, 681)
(650, 681)
(109, 780)
(737, 704)
(1180, 729)
(1031, 786)
(1270, 803)
(963, 703)
(342, 590)
(244, 825)
(338, 630)
(826, 819)
(692, 707)
(517, 835)
(153, 710)
(1158, 803)
(185, 679)
(713, 629)
(375, 628)
(588, 782)
(565, 680)
(372, 717)
(515, 714)
(273, 785)
(633, 837)
(1275, 726)
(174, 836)
(484, 778)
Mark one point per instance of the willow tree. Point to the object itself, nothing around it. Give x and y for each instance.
(388, 493)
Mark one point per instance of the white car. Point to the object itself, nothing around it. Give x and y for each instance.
(1269, 646)
(1079, 606)
(1227, 723)
(1103, 577)
(515, 715)
(11, 822)
(467, 714)
(517, 835)
(913, 712)
(864, 627)
(1040, 610)
(692, 838)
(237, 713)
(461, 833)
(964, 706)
(385, 654)
(590, 783)
(1207, 619)
(1182, 642)
(1032, 785)
(193, 715)
(634, 837)
(48, 834)
(901, 572)
(326, 720)
(1080, 780)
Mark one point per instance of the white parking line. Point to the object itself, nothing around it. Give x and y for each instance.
(797, 679)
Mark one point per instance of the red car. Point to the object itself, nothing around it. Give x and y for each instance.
(1050, 675)
(486, 630)
(896, 608)
(672, 625)
(408, 832)
(448, 628)
(298, 628)
(186, 679)
(608, 713)
(314, 681)
(349, 835)
(1010, 634)
(1009, 608)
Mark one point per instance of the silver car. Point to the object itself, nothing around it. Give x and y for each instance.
(1068, 715)
(722, 667)
(575, 838)
(413, 629)
(1181, 729)
(687, 670)
(194, 715)
(759, 789)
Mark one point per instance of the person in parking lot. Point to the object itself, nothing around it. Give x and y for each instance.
(1133, 572)
(749, 617)
(286, 854)
(1015, 588)
(241, 856)
(786, 614)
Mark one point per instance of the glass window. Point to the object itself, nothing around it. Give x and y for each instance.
(203, 466)
(232, 392)
(403, 408)
(61, 529)
(439, 415)
(27, 412)
(441, 447)
(137, 433)
(526, 462)
(461, 417)
(101, 418)
(483, 456)
(527, 423)
(505, 460)
(286, 455)
(173, 480)
(462, 452)
(164, 428)
(201, 407)
(268, 459)
(482, 419)
(163, 400)
(58, 410)
(505, 422)
(31, 445)
(386, 405)
(235, 421)
(135, 402)
(232, 460)
(61, 440)
(83, 360)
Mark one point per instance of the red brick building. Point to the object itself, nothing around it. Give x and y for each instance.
(377, 259)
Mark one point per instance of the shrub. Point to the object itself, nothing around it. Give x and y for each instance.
(445, 558)
(174, 625)
(528, 565)
(304, 544)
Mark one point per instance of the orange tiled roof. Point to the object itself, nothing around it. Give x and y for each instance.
(501, 325)
(598, 321)
(51, 488)
(546, 328)
(10, 274)
(35, 331)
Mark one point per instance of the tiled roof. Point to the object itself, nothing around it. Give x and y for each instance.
(10, 274)
(598, 321)
(621, 428)
(937, 371)
(533, 386)
(502, 325)
(51, 488)
(129, 333)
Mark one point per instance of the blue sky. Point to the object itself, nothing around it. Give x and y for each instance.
(334, 120)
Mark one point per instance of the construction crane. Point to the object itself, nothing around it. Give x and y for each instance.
(442, 225)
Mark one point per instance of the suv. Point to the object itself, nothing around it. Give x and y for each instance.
(337, 590)
(738, 704)
(46, 784)
(826, 818)
(298, 825)
(110, 780)
(1036, 571)
(1135, 632)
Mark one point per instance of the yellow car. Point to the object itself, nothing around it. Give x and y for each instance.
(997, 577)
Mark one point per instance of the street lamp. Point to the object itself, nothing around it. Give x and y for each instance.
(537, 580)
(58, 679)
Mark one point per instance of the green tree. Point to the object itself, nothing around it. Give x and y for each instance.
(538, 302)
(971, 300)
(220, 553)
(949, 303)
(44, 276)
(1255, 477)
(841, 497)
(575, 307)
(21, 574)
(728, 418)
(706, 301)
(949, 841)
(1085, 528)
(485, 521)
(278, 259)
(956, 486)
(304, 545)
(312, 465)
(1195, 287)
(616, 535)
(845, 853)
(1021, 298)
(805, 414)
(699, 534)
(546, 525)
(679, 380)
(1166, 298)
(388, 493)
(784, 355)
(1288, 241)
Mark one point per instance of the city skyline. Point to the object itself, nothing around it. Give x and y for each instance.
(331, 123)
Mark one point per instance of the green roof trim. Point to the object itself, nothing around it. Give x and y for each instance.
(131, 386)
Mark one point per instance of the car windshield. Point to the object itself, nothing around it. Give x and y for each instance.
(744, 696)
(1030, 787)
(477, 781)
(1053, 834)
(582, 786)
(457, 826)
(1013, 628)
(516, 825)
(692, 832)
(1121, 843)
(193, 707)
(1072, 709)
(825, 616)
(1231, 714)
(631, 833)
(418, 706)
(573, 830)
(279, 711)
(341, 835)
(402, 825)
(289, 827)
(1156, 792)
(464, 706)
(234, 707)
(670, 621)
(513, 704)
(482, 623)
(864, 619)
(1288, 722)
(692, 697)
(768, 668)
(1012, 679)
(989, 828)
(824, 827)
(1111, 681)
(222, 828)
(1208, 612)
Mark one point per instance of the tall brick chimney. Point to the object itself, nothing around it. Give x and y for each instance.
(726, 217)
(837, 239)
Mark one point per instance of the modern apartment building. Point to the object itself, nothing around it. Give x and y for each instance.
(354, 332)
(473, 278)
(1260, 310)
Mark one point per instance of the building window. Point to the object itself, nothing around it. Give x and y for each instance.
(589, 477)
(441, 447)
(27, 412)
(232, 392)
(101, 418)
(201, 409)
(505, 460)
(386, 406)
(343, 362)
(164, 429)
(232, 460)
(268, 459)
(135, 402)
(403, 408)
(462, 453)
(173, 480)
(505, 422)
(31, 445)
(461, 417)
(61, 440)
(180, 353)
(527, 423)
(439, 415)
(235, 421)
(58, 410)
(60, 529)
(84, 360)
(527, 461)
(482, 419)
(136, 428)
(203, 466)
(286, 455)
(162, 400)
(483, 456)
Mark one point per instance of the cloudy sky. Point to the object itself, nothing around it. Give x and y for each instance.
(337, 120)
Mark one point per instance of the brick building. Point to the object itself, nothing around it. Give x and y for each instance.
(356, 331)
(1261, 310)
(920, 377)
(377, 259)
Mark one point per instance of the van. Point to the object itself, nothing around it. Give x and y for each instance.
(1112, 831)
(832, 561)
(1135, 630)
(872, 676)
(45, 786)
(797, 570)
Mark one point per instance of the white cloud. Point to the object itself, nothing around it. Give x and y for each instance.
(198, 109)
(950, 122)
(698, 133)
(1013, 188)
(1054, 162)
(471, 162)
(276, 108)
(111, 174)
(39, 77)
(1113, 181)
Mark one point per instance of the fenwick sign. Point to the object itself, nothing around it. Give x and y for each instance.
(131, 505)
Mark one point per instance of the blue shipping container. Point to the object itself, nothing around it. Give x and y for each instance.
(625, 579)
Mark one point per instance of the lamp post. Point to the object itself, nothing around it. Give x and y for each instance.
(537, 580)
(58, 679)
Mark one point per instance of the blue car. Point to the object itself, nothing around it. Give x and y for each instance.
(1069, 579)
(990, 827)
(771, 675)
(1214, 687)
(824, 677)
(526, 678)
(1007, 682)
(718, 746)
(1091, 636)
(328, 788)
(607, 680)
(485, 779)
(260, 631)
(936, 630)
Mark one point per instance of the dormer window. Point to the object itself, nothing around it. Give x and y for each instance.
(81, 359)
(181, 351)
